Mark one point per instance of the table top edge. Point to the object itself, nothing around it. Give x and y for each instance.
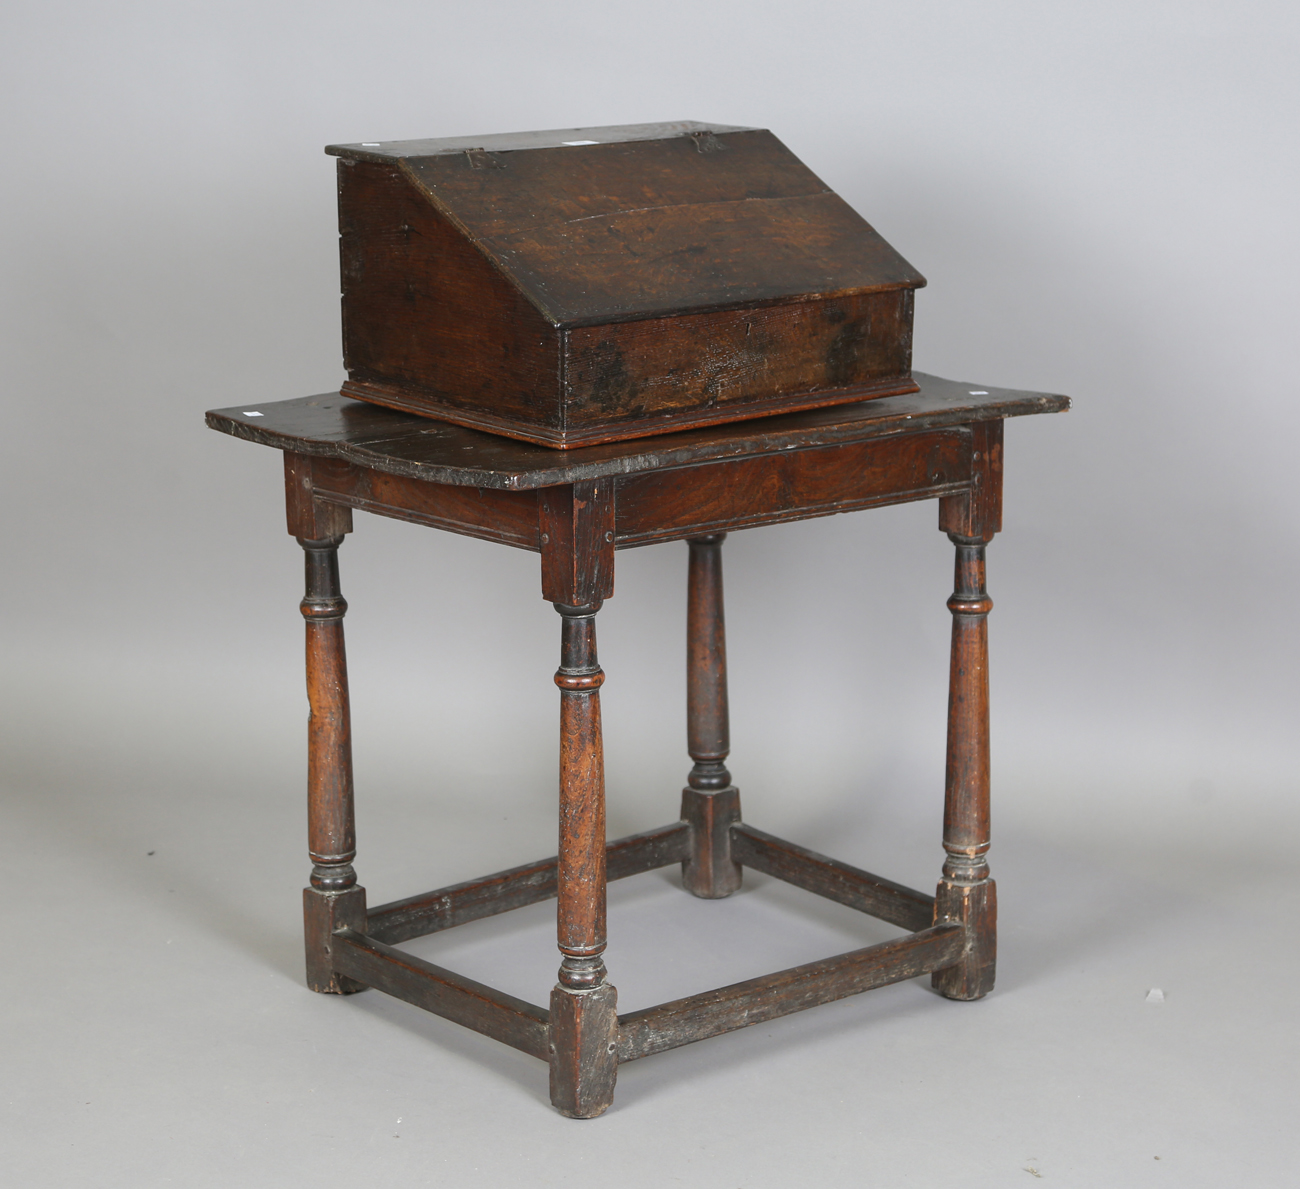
(505, 464)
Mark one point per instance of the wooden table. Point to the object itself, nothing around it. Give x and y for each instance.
(576, 508)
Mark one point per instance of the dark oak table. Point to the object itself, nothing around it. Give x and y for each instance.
(576, 508)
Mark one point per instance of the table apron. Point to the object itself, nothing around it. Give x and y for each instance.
(794, 485)
(507, 517)
(683, 502)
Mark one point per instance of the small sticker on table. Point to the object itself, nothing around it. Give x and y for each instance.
(578, 142)
(979, 392)
(251, 413)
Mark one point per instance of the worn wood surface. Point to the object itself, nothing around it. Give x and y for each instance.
(452, 996)
(972, 903)
(573, 293)
(635, 379)
(780, 355)
(529, 883)
(323, 914)
(416, 447)
(877, 897)
(583, 1050)
(760, 999)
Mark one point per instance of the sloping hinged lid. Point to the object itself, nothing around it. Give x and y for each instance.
(612, 224)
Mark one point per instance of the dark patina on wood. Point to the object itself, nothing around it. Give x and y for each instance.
(944, 442)
(530, 883)
(600, 284)
(452, 996)
(758, 1000)
(832, 879)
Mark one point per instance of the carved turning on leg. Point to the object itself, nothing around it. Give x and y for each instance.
(966, 894)
(584, 1018)
(334, 901)
(710, 803)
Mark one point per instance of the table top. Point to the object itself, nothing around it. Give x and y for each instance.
(421, 448)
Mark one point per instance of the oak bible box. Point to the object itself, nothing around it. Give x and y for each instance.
(598, 284)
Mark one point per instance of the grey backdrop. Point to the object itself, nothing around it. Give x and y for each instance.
(1102, 197)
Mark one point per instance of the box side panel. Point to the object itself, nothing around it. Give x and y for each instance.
(738, 362)
(427, 319)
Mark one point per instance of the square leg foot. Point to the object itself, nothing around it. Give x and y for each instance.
(583, 1050)
(322, 914)
(974, 906)
(709, 871)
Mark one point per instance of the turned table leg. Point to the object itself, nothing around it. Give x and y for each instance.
(584, 1016)
(966, 894)
(333, 901)
(710, 803)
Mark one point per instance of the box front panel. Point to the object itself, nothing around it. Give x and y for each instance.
(738, 363)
